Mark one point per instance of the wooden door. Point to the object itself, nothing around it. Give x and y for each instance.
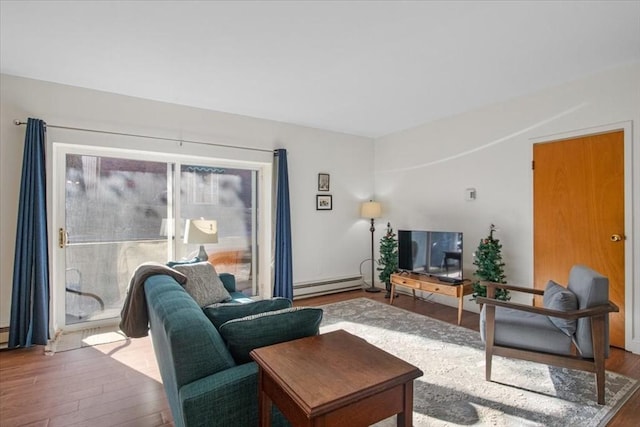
(578, 192)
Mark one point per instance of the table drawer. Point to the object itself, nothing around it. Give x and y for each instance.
(406, 281)
(438, 288)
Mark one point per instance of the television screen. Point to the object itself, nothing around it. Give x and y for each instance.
(435, 253)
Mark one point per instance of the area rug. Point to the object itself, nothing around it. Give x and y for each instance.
(453, 390)
(66, 341)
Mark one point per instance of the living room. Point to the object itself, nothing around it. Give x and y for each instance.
(487, 146)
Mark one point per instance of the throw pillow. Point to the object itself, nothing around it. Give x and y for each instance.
(273, 327)
(221, 313)
(557, 297)
(203, 283)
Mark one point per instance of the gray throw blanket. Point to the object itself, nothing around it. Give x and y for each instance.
(135, 317)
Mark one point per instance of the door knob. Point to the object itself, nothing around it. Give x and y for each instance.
(616, 238)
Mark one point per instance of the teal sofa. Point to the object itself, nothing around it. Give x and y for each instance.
(203, 383)
(229, 282)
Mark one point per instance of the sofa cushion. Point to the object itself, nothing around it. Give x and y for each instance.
(557, 297)
(203, 283)
(221, 313)
(273, 327)
(592, 289)
(531, 331)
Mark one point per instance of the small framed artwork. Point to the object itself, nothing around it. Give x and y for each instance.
(323, 182)
(323, 202)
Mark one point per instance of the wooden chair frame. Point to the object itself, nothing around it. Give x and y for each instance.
(597, 314)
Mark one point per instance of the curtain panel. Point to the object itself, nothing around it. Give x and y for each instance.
(29, 323)
(283, 268)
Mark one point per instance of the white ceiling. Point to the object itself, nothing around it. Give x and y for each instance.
(363, 67)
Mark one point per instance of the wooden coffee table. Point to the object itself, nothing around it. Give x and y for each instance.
(334, 379)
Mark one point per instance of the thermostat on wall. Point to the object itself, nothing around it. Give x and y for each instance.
(470, 193)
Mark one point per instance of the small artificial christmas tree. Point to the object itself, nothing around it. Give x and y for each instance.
(490, 267)
(388, 258)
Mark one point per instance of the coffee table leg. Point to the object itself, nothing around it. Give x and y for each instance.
(264, 403)
(405, 418)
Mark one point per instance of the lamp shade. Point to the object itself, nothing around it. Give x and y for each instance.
(201, 231)
(371, 209)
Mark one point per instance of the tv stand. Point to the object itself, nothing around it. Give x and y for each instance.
(432, 285)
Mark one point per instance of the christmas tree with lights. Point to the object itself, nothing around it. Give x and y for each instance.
(489, 266)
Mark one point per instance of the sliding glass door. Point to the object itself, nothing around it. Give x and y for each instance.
(117, 210)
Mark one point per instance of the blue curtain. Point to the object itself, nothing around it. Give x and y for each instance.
(29, 322)
(283, 276)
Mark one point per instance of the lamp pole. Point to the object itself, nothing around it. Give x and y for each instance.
(372, 288)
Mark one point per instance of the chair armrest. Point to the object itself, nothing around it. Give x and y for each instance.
(229, 281)
(512, 288)
(573, 314)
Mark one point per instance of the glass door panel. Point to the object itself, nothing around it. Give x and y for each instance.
(114, 211)
(227, 195)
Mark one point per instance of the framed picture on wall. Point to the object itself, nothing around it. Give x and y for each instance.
(323, 202)
(323, 182)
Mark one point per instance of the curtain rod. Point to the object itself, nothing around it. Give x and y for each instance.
(19, 123)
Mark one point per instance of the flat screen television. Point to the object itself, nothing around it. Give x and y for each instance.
(434, 253)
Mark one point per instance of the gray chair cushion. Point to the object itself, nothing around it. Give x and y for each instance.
(222, 313)
(592, 289)
(557, 297)
(203, 283)
(260, 330)
(515, 328)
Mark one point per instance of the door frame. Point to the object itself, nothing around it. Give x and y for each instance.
(262, 214)
(631, 205)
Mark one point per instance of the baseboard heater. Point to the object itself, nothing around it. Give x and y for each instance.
(325, 287)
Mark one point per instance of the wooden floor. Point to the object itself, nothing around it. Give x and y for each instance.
(119, 383)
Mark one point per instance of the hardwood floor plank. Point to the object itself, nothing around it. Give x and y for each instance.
(114, 412)
(128, 390)
(43, 423)
(24, 400)
(152, 420)
(21, 418)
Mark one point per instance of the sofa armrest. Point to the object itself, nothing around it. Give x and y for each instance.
(226, 398)
(229, 281)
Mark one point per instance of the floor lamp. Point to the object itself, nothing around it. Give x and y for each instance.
(371, 210)
(201, 231)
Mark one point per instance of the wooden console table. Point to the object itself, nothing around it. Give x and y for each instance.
(432, 285)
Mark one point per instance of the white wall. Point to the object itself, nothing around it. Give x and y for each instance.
(421, 173)
(326, 244)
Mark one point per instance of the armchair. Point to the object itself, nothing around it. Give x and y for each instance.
(571, 330)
